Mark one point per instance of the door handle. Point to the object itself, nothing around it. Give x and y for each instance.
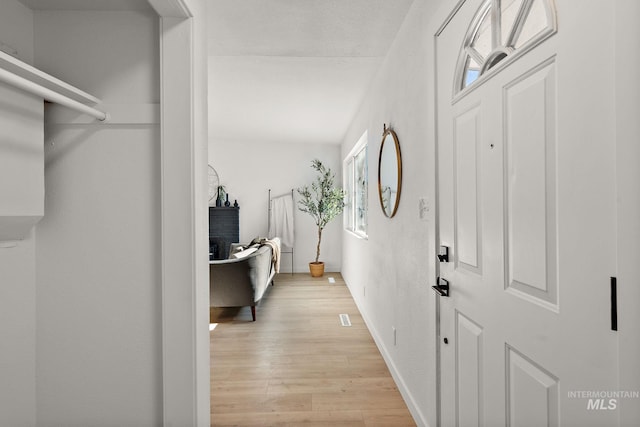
(442, 288)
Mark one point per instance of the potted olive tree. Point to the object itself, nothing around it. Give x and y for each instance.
(323, 201)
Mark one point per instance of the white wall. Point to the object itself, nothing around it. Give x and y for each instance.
(390, 273)
(17, 271)
(98, 251)
(21, 162)
(248, 170)
(18, 334)
(16, 30)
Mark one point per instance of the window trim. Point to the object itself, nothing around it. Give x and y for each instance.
(349, 183)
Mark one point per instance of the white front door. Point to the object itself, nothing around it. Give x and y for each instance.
(526, 188)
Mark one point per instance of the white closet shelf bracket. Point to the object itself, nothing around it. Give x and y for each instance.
(25, 77)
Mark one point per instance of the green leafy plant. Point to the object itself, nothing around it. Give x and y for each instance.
(323, 201)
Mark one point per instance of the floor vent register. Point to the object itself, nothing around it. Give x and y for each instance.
(344, 320)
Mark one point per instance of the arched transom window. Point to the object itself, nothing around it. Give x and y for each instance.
(499, 30)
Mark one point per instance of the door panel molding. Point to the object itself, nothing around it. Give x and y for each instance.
(469, 367)
(530, 181)
(532, 392)
(467, 197)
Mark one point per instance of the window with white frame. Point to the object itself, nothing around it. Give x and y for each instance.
(356, 184)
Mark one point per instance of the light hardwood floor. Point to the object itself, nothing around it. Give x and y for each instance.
(296, 365)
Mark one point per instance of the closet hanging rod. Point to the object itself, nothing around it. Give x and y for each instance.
(50, 95)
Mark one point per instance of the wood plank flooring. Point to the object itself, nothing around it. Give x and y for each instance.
(296, 365)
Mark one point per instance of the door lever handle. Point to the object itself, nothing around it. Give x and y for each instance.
(442, 288)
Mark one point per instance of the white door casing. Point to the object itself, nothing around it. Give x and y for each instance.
(183, 169)
(526, 190)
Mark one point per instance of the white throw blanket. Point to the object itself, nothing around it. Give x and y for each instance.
(275, 252)
(275, 249)
(281, 220)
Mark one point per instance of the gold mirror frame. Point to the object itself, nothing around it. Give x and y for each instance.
(388, 210)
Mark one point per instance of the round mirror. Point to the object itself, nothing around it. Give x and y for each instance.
(389, 173)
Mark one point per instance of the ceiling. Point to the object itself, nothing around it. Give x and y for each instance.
(294, 71)
(87, 4)
(291, 71)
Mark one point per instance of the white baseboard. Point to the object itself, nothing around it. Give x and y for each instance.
(418, 416)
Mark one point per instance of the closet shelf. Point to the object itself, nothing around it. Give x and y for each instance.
(48, 82)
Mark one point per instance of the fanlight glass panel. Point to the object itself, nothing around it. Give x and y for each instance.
(499, 29)
(472, 72)
(509, 13)
(536, 23)
(482, 40)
